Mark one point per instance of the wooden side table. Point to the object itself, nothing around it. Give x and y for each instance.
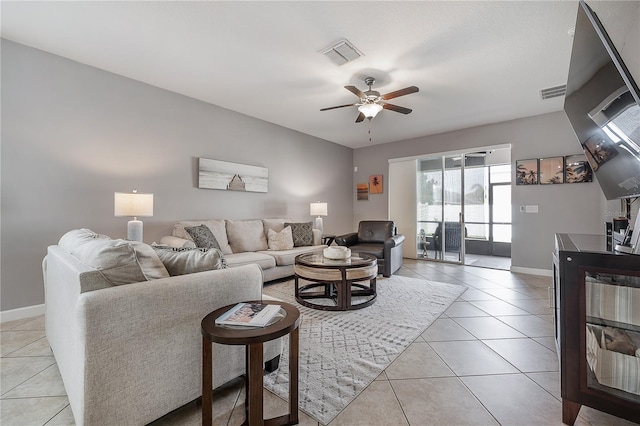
(252, 339)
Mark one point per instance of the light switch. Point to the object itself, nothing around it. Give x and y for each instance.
(531, 209)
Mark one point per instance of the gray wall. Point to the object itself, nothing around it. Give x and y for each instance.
(576, 208)
(72, 135)
(572, 208)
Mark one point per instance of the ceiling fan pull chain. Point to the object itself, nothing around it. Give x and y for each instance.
(369, 130)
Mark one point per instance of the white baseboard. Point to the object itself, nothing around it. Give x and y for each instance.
(20, 313)
(532, 271)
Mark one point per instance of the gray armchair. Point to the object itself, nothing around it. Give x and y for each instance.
(379, 238)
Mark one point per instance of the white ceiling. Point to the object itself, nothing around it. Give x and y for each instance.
(475, 62)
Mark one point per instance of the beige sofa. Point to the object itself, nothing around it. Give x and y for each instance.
(246, 241)
(130, 352)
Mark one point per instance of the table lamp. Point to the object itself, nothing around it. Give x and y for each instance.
(318, 209)
(133, 204)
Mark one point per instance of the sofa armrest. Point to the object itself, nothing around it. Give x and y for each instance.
(172, 241)
(347, 239)
(146, 336)
(174, 299)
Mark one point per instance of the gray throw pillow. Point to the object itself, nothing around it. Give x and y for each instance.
(203, 237)
(182, 261)
(302, 233)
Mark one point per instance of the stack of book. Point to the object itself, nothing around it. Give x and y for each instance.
(249, 315)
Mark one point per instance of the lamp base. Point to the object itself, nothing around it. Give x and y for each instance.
(318, 225)
(134, 230)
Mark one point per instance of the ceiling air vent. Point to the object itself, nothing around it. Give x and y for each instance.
(553, 92)
(342, 52)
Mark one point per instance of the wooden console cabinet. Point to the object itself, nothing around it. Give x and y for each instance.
(596, 294)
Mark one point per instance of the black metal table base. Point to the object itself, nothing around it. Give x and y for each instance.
(340, 293)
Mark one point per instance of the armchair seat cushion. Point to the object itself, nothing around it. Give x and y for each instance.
(375, 249)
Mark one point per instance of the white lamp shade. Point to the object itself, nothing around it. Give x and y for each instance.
(133, 204)
(370, 110)
(318, 209)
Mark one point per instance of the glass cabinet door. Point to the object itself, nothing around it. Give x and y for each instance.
(612, 335)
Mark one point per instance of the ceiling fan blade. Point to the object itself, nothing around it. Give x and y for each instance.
(396, 108)
(360, 118)
(401, 92)
(355, 91)
(339, 106)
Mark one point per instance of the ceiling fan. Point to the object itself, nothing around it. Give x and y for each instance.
(372, 102)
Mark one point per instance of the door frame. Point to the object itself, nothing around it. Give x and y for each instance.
(497, 248)
(403, 212)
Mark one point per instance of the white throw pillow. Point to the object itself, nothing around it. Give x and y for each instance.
(282, 240)
(275, 224)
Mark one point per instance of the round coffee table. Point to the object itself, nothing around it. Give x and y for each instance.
(339, 281)
(252, 338)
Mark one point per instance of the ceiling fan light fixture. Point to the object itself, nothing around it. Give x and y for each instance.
(370, 110)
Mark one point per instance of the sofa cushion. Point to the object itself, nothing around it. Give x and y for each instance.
(202, 236)
(181, 261)
(77, 237)
(171, 241)
(282, 240)
(275, 224)
(150, 263)
(263, 260)
(246, 235)
(217, 227)
(119, 261)
(302, 233)
(287, 257)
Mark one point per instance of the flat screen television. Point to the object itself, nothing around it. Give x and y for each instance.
(602, 104)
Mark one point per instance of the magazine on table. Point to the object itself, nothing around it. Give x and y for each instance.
(249, 315)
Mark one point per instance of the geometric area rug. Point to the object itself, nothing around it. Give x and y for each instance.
(341, 353)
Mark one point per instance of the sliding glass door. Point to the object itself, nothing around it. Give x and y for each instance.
(464, 208)
(440, 221)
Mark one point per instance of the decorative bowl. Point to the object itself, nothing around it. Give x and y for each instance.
(337, 253)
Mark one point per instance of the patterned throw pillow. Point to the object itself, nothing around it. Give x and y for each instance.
(203, 237)
(182, 261)
(302, 233)
(282, 240)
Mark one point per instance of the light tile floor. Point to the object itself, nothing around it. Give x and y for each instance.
(489, 359)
